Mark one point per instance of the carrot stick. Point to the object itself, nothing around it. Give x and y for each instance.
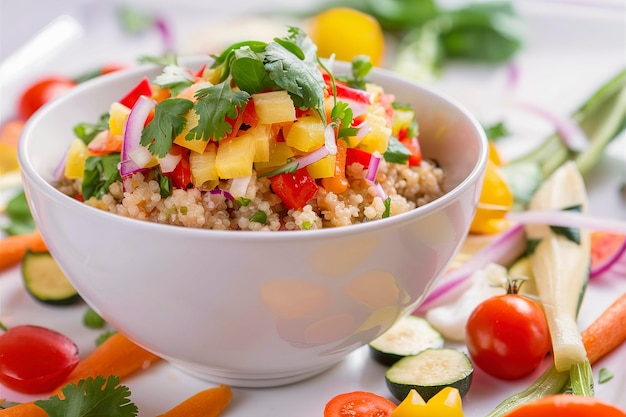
(207, 403)
(567, 405)
(607, 332)
(116, 356)
(13, 248)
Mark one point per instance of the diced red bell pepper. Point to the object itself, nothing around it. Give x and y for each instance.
(358, 155)
(249, 116)
(347, 93)
(413, 145)
(294, 189)
(143, 88)
(181, 175)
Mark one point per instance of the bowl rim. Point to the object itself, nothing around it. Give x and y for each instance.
(28, 171)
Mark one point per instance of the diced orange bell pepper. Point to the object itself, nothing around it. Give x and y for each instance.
(495, 202)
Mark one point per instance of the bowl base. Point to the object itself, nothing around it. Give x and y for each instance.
(250, 380)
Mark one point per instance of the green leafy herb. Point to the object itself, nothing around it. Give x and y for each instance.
(100, 172)
(248, 72)
(243, 201)
(225, 58)
(91, 398)
(571, 233)
(215, 104)
(20, 219)
(396, 152)
(293, 65)
(306, 225)
(3, 327)
(169, 58)
(164, 184)
(361, 67)
(259, 217)
(175, 78)
(497, 131)
(93, 320)
(604, 375)
(343, 114)
(288, 168)
(104, 336)
(387, 211)
(168, 122)
(87, 131)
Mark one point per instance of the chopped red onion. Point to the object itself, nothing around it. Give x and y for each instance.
(372, 169)
(225, 193)
(330, 141)
(616, 262)
(59, 170)
(504, 249)
(166, 34)
(363, 129)
(314, 156)
(131, 144)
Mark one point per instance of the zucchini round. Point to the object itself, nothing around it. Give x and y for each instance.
(45, 281)
(429, 372)
(407, 337)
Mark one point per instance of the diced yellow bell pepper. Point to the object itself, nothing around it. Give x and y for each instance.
(202, 165)
(324, 168)
(496, 199)
(306, 134)
(274, 107)
(118, 113)
(76, 157)
(235, 157)
(280, 153)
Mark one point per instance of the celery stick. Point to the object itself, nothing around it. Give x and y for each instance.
(602, 117)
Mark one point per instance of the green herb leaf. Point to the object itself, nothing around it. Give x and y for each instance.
(361, 67)
(164, 184)
(298, 73)
(104, 336)
(243, 201)
(288, 168)
(169, 58)
(20, 219)
(175, 78)
(343, 114)
(91, 398)
(248, 72)
(387, 211)
(214, 104)
(571, 233)
(497, 131)
(87, 131)
(134, 21)
(225, 57)
(168, 122)
(93, 320)
(396, 152)
(604, 375)
(100, 172)
(259, 217)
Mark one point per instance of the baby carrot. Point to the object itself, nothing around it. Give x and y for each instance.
(13, 248)
(208, 403)
(607, 332)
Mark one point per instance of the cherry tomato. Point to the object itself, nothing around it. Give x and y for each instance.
(42, 91)
(35, 359)
(507, 336)
(359, 404)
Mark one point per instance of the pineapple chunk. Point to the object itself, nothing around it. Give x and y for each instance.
(196, 144)
(402, 119)
(235, 157)
(202, 165)
(324, 168)
(118, 113)
(280, 153)
(76, 157)
(274, 107)
(262, 137)
(306, 134)
(377, 138)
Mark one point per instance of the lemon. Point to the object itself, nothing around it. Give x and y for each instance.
(8, 158)
(347, 33)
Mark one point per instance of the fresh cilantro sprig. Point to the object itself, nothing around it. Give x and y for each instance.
(91, 398)
(214, 105)
(100, 172)
(342, 115)
(168, 122)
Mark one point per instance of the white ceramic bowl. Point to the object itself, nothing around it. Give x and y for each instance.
(253, 308)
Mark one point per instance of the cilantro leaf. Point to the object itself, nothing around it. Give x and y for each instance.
(248, 72)
(259, 217)
(361, 66)
(387, 211)
(91, 398)
(225, 57)
(100, 172)
(168, 122)
(175, 78)
(396, 152)
(292, 64)
(87, 131)
(343, 113)
(21, 220)
(214, 104)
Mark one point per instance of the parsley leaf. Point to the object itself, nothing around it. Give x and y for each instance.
(292, 64)
(100, 172)
(91, 398)
(214, 104)
(167, 123)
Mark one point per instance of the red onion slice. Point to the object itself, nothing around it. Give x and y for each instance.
(131, 144)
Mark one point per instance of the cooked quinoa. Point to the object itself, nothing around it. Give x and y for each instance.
(139, 197)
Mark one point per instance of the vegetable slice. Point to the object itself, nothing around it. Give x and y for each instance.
(208, 403)
(13, 248)
(567, 405)
(606, 250)
(408, 336)
(45, 281)
(429, 372)
(359, 404)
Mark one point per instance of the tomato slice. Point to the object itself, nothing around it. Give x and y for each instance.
(41, 92)
(359, 404)
(35, 359)
(295, 190)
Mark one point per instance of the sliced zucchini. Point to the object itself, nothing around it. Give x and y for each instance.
(45, 281)
(409, 336)
(429, 372)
